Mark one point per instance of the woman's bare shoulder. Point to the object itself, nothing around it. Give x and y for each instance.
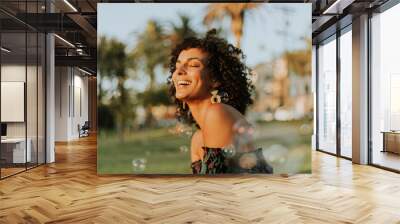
(222, 113)
(219, 121)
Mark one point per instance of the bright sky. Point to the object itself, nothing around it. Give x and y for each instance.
(268, 31)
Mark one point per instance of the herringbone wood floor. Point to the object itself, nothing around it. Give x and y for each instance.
(69, 191)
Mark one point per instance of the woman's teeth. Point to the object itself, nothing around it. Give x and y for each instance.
(184, 82)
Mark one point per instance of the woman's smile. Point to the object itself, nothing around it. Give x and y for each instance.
(183, 83)
(183, 87)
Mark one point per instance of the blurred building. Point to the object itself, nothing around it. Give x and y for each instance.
(280, 92)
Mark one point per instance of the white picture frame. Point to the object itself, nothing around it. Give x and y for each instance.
(12, 101)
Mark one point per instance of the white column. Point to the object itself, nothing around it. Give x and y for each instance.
(314, 93)
(50, 99)
(360, 90)
(50, 92)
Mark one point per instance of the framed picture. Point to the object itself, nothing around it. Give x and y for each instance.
(204, 88)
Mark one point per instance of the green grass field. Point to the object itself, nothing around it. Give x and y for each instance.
(289, 144)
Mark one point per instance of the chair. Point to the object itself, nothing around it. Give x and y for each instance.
(84, 130)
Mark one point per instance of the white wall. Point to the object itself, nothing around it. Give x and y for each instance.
(62, 81)
(71, 94)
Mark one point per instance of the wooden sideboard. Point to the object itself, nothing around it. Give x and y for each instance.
(391, 141)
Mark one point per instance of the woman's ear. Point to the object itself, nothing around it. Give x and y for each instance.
(216, 84)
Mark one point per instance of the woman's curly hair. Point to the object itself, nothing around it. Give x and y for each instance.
(226, 66)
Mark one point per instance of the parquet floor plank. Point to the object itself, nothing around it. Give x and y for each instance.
(70, 191)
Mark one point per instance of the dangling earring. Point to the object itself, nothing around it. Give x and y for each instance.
(215, 97)
(183, 105)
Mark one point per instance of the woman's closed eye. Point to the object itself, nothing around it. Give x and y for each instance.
(194, 65)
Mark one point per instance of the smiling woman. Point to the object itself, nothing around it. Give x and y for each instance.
(211, 88)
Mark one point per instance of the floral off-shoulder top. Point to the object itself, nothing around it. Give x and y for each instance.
(216, 161)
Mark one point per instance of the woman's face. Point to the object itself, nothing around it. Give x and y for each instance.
(191, 77)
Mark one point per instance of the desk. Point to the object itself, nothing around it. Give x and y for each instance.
(391, 141)
(13, 150)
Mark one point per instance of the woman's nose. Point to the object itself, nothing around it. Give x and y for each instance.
(181, 69)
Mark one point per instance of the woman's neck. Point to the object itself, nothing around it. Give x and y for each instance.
(198, 109)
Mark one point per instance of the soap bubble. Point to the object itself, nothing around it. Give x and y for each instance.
(138, 165)
(248, 160)
(183, 149)
(189, 132)
(171, 130)
(305, 129)
(243, 136)
(258, 132)
(275, 154)
(224, 96)
(229, 151)
(181, 129)
(298, 160)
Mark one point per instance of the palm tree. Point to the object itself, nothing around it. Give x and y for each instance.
(181, 31)
(114, 63)
(102, 57)
(151, 50)
(236, 12)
